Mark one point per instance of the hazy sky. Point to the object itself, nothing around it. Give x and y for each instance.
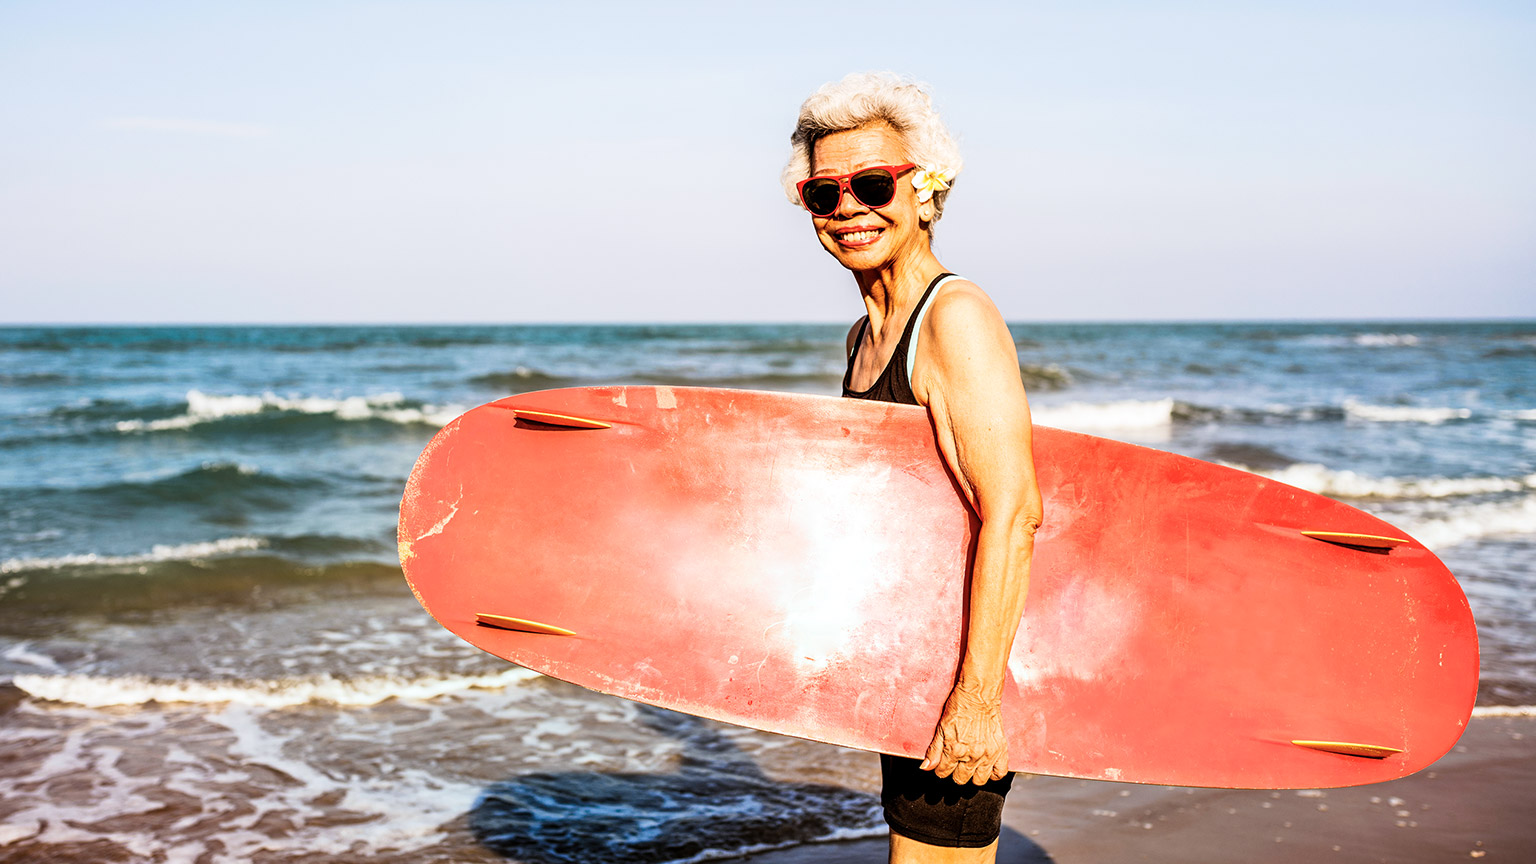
(506, 162)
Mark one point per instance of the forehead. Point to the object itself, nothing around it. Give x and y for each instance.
(841, 152)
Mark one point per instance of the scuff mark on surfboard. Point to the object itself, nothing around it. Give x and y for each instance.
(453, 510)
(1088, 633)
(665, 398)
(622, 400)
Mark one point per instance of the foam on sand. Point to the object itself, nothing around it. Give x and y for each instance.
(223, 787)
(102, 691)
(1504, 711)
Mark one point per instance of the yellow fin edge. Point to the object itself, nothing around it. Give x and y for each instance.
(1372, 541)
(520, 624)
(1346, 748)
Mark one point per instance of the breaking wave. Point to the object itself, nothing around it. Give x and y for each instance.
(1468, 522)
(1126, 415)
(1355, 410)
(157, 554)
(206, 408)
(1349, 484)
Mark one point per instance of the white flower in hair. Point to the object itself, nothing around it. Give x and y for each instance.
(930, 180)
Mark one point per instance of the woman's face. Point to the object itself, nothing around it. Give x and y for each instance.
(857, 236)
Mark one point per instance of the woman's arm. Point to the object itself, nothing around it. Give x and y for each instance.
(967, 374)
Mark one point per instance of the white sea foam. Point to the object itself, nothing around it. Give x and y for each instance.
(1356, 410)
(1385, 340)
(1504, 711)
(22, 653)
(1127, 416)
(205, 408)
(101, 691)
(182, 552)
(251, 795)
(1348, 484)
(1472, 522)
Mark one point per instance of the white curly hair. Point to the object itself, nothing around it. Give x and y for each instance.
(863, 98)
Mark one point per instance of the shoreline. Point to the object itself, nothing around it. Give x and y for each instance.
(1472, 804)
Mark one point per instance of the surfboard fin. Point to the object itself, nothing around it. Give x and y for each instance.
(549, 418)
(520, 624)
(1345, 748)
(1370, 542)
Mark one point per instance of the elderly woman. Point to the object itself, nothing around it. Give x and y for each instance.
(873, 164)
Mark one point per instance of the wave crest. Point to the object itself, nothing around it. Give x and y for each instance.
(156, 555)
(1348, 484)
(1355, 410)
(206, 408)
(1126, 415)
(1473, 522)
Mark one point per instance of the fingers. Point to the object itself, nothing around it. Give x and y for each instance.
(978, 768)
(933, 757)
(998, 768)
(964, 772)
(983, 772)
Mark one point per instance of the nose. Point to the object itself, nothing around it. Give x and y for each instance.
(848, 204)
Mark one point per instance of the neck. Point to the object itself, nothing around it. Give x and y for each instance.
(897, 285)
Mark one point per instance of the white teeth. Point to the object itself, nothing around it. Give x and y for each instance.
(859, 236)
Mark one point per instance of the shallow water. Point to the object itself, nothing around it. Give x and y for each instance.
(207, 652)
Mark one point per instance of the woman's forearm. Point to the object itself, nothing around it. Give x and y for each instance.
(999, 586)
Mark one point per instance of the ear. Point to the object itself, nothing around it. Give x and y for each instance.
(925, 212)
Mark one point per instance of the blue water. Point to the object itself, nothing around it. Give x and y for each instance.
(197, 559)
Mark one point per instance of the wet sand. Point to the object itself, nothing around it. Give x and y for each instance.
(1477, 803)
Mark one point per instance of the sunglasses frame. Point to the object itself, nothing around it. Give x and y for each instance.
(845, 187)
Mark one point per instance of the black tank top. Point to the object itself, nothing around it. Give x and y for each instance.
(895, 381)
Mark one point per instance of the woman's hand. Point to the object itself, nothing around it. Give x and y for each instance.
(968, 745)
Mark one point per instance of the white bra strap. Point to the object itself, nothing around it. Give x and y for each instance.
(917, 326)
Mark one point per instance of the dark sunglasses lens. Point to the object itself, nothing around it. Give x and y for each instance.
(821, 196)
(875, 187)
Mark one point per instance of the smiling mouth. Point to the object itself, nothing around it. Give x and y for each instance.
(860, 237)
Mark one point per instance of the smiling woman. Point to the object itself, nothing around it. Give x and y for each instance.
(873, 164)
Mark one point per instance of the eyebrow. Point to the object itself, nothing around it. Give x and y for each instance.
(868, 163)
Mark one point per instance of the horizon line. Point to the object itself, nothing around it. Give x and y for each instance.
(1512, 319)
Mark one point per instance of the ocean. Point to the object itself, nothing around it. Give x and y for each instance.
(207, 651)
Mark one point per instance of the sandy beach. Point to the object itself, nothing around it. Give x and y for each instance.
(1473, 804)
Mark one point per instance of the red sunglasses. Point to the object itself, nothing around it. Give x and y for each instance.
(873, 187)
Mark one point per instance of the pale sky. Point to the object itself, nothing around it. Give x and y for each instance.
(488, 162)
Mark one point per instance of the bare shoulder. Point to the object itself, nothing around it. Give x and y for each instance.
(962, 320)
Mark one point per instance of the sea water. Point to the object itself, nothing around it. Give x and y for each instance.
(207, 652)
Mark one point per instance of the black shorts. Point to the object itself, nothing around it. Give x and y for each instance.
(938, 811)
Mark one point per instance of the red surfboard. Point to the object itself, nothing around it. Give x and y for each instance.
(797, 564)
